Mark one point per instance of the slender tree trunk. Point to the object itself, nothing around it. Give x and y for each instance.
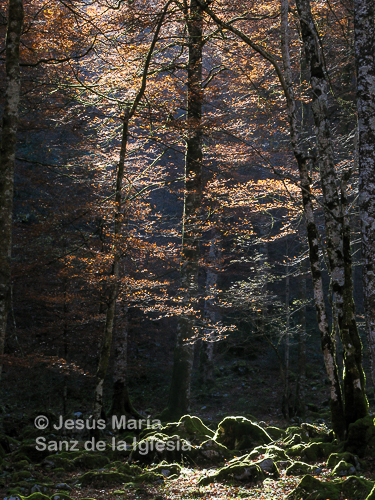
(327, 342)
(7, 157)
(119, 219)
(121, 404)
(212, 315)
(337, 235)
(302, 334)
(365, 66)
(179, 395)
(287, 394)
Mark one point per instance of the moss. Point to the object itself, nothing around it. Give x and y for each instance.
(104, 478)
(274, 452)
(213, 452)
(296, 450)
(313, 451)
(293, 440)
(240, 473)
(343, 469)
(310, 488)
(371, 495)
(300, 469)
(190, 428)
(36, 496)
(60, 496)
(335, 458)
(21, 465)
(150, 477)
(361, 437)
(91, 461)
(238, 433)
(160, 447)
(275, 432)
(22, 474)
(59, 461)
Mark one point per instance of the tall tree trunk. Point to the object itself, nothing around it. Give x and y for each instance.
(365, 66)
(338, 237)
(7, 157)
(303, 162)
(119, 219)
(179, 395)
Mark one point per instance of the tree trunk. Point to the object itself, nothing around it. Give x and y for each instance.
(7, 157)
(179, 395)
(300, 403)
(327, 342)
(119, 219)
(365, 67)
(337, 235)
(121, 404)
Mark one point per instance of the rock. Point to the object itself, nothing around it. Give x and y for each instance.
(241, 473)
(268, 466)
(311, 488)
(361, 437)
(275, 432)
(91, 461)
(212, 451)
(300, 469)
(160, 447)
(335, 458)
(63, 486)
(104, 478)
(239, 433)
(167, 469)
(60, 496)
(344, 469)
(189, 428)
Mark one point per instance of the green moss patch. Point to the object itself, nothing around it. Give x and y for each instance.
(310, 488)
(239, 473)
(300, 469)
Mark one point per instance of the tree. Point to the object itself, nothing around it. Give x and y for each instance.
(7, 156)
(365, 69)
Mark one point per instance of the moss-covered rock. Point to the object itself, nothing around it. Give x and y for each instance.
(60, 496)
(310, 488)
(91, 461)
(275, 433)
(269, 467)
(104, 478)
(189, 428)
(313, 451)
(344, 469)
(371, 496)
(300, 469)
(155, 449)
(239, 473)
(22, 474)
(213, 452)
(167, 469)
(335, 458)
(149, 477)
(239, 433)
(36, 496)
(272, 451)
(361, 437)
(296, 450)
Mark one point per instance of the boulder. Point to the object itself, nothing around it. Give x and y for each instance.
(240, 473)
(239, 433)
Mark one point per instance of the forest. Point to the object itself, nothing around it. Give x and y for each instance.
(187, 249)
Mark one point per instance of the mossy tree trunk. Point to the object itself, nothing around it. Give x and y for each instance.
(365, 68)
(179, 395)
(336, 227)
(7, 157)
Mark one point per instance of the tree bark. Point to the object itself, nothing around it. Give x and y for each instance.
(365, 69)
(337, 229)
(7, 157)
(179, 395)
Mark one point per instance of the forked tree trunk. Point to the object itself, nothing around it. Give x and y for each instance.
(7, 157)
(365, 66)
(179, 395)
(336, 227)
